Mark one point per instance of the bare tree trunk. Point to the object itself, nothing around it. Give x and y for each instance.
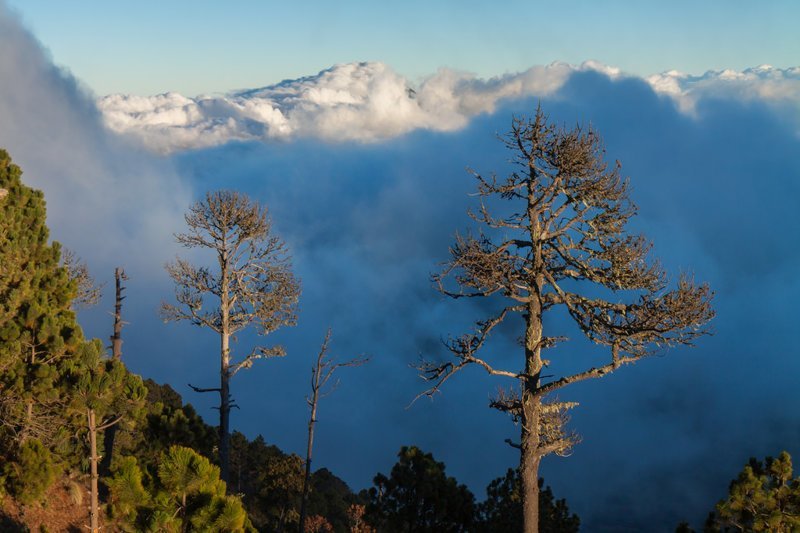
(530, 441)
(307, 477)
(529, 474)
(116, 338)
(224, 421)
(116, 352)
(93, 459)
(225, 370)
(224, 402)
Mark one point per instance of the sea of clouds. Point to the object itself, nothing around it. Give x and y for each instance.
(370, 102)
(363, 172)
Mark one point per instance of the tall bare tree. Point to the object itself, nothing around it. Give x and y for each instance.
(110, 435)
(559, 243)
(251, 285)
(321, 374)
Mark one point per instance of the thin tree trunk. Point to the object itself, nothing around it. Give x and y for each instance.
(26, 428)
(93, 506)
(116, 352)
(116, 338)
(307, 477)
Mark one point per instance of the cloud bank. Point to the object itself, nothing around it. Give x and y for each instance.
(370, 102)
(106, 197)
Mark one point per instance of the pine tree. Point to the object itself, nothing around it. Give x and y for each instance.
(552, 237)
(188, 496)
(39, 336)
(252, 285)
(104, 394)
(765, 497)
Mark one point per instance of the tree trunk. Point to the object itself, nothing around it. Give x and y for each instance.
(116, 337)
(116, 352)
(224, 412)
(225, 364)
(307, 478)
(93, 459)
(530, 438)
(529, 474)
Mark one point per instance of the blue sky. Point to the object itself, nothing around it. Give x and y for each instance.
(199, 46)
(365, 180)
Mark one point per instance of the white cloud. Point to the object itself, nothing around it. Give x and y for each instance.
(765, 83)
(369, 102)
(355, 101)
(106, 199)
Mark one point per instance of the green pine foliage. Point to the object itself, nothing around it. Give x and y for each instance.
(127, 495)
(765, 497)
(164, 422)
(187, 495)
(38, 330)
(31, 472)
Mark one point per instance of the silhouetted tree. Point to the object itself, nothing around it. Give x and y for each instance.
(562, 244)
(502, 509)
(252, 285)
(418, 496)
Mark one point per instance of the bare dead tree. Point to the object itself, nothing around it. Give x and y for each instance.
(110, 436)
(562, 240)
(321, 373)
(252, 285)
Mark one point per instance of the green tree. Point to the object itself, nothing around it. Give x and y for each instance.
(552, 237)
(106, 394)
(502, 509)
(250, 285)
(764, 497)
(127, 494)
(188, 496)
(38, 331)
(418, 496)
(167, 422)
(31, 472)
